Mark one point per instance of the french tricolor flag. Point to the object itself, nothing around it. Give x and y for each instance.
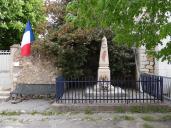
(27, 40)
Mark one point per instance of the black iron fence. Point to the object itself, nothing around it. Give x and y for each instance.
(167, 88)
(152, 85)
(148, 89)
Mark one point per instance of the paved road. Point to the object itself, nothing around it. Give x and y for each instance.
(26, 105)
(35, 114)
(81, 120)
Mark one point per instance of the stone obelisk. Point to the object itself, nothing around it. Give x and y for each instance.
(103, 81)
(103, 70)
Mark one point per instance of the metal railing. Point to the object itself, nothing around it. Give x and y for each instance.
(149, 89)
(167, 88)
(152, 84)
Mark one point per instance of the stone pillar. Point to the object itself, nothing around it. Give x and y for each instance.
(15, 49)
(156, 67)
(103, 70)
(146, 62)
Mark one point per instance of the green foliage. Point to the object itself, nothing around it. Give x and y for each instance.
(147, 126)
(78, 52)
(10, 113)
(119, 109)
(166, 118)
(149, 109)
(123, 117)
(135, 22)
(13, 17)
(144, 109)
(88, 111)
(159, 118)
(149, 118)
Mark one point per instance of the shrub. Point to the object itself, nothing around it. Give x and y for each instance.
(78, 53)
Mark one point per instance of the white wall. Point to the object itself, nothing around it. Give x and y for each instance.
(5, 70)
(163, 68)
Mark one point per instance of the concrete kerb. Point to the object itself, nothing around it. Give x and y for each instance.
(111, 107)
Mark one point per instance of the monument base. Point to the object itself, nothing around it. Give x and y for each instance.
(98, 91)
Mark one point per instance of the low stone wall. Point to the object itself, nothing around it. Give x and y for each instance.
(32, 69)
(37, 70)
(34, 89)
(132, 107)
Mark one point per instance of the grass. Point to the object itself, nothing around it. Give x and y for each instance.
(165, 118)
(142, 109)
(160, 118)
(123, 117)
(46, 113)
(49, 113)
(34, 113)
(147, 126)
(149, 109)
(149, 118)
(88, 111)
(120, 109)
(74, 113)
(16, 113)
(126, 117)
(8, 113)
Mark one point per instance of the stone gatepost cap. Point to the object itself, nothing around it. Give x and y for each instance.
(15, 46)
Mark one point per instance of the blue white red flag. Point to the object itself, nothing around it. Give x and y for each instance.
(27, 40)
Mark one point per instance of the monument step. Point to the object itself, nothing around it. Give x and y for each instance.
(5, 88)
(4, 93)
(103, 107)
(111, 92)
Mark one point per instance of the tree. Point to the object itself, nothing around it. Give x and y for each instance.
(76, 51)
(134, 22)
(13, 17)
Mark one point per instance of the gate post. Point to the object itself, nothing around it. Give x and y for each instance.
(14, 51)
(161, 88)
(59, 87)
(5, 70)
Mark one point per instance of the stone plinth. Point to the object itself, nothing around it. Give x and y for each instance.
(110, 92)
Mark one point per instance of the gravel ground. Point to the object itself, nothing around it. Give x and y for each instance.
(36, 114)
(81, 120)
(26, 105)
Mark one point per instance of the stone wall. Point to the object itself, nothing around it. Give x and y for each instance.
(31, 70)
(35, 70)
(146, 63)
